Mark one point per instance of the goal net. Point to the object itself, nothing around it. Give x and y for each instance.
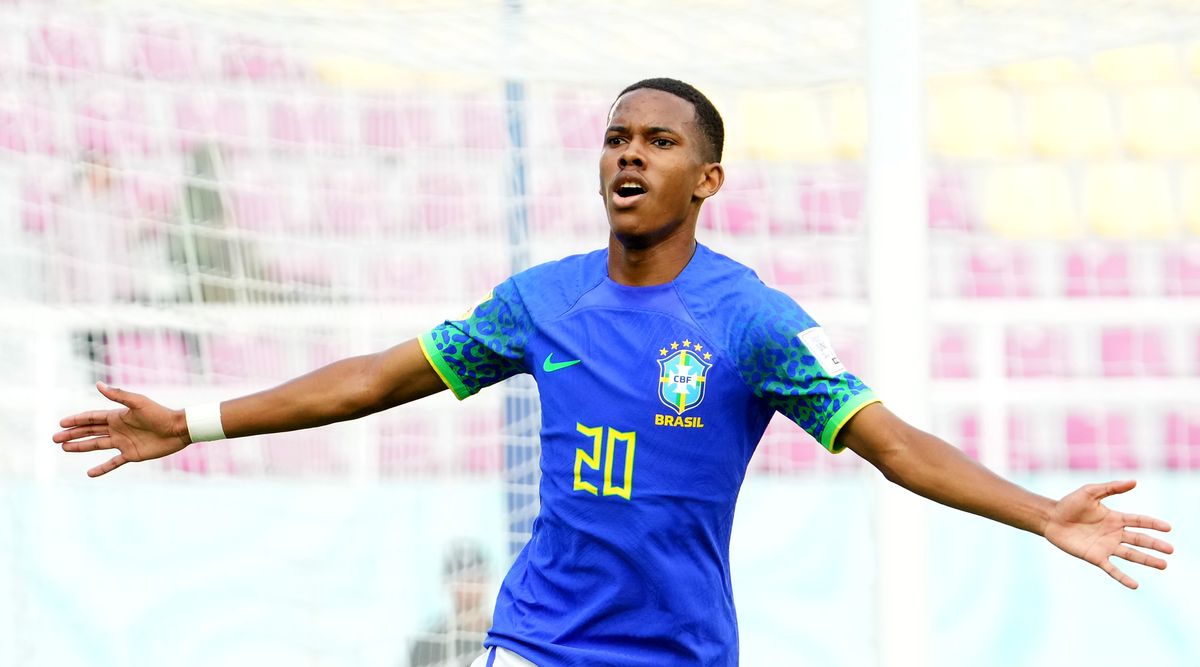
(202, 199)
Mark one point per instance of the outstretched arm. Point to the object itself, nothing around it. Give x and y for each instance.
(1078, 524)
(346, 389)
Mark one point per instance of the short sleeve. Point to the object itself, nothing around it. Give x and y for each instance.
(787, 360)
(484, 347)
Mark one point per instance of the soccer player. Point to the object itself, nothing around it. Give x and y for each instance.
(659, 363)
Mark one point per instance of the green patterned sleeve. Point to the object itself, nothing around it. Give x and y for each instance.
(788, 361)
(483, 348)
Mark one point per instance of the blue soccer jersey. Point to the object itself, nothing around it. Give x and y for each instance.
(653, 400)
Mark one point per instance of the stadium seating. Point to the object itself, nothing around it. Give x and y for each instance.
(1126, 351)
(1129, 200)
(1161, 121)
(1182, 441)
(163, 53)
(1050, 178)
(1070, 121)
(1033, 352)
(1099, 441)
(971, 119)
(762, 116)
(953, 357)
(1029, 200)
(1103, 273)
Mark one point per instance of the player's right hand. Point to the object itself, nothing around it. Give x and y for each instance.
(140, 431)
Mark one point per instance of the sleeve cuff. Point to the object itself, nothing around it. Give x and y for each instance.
(843, 415)
(444, 370)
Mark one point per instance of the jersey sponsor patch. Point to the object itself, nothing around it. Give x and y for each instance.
(822, 350)
(682, 374)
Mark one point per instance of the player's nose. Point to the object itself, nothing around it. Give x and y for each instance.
(632, 155)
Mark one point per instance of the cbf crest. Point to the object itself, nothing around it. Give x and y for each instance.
(683, 374)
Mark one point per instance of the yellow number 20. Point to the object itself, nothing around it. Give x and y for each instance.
(592, 460)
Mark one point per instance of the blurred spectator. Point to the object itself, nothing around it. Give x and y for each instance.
(456, 639)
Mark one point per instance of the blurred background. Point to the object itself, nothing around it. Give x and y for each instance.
(201, 199)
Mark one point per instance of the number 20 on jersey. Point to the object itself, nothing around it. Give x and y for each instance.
(593, 461)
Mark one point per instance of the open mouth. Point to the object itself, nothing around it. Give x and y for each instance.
(627, 192)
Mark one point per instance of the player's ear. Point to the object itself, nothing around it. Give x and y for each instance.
(712, 177)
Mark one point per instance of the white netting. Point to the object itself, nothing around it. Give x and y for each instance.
(200, 199)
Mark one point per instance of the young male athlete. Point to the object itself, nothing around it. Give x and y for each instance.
(659, 363)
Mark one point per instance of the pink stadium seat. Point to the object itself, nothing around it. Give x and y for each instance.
(201, 458)
(148, 357)
(394, 125)
(802, 273)
(1083, 444)
(738, 212)
(408, 446)
(235, 359)
(1104, 273)
(325, 125)
(26, 127)
(152, 195)
(1128, 351)
(411, 278)
(952, 355)
(322, 352)
(262, 206)
(481, 443)
(38, 210)
(484, 124)
(349, 212)
(256, 61)
(949, 204)
(1119, 436)
(1037, 352)
(290, 123)
(826, 207)
(311, 453)
(479, 277)
(231, 121)
(966, 434)
(581, 122)
(223, 119)
(111, 124)
(61, 50)
(741, 208)
(851, 350)
(1182, 269)
(1095, 443)
(445, 202)
(1196, 359)
(1182, 441)
(1023, 453)
(284, 124)
(193, 121)
(162, 53)
(785, 449)
(555, 211)
(998, 274)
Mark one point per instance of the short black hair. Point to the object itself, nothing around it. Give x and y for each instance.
(710, 121)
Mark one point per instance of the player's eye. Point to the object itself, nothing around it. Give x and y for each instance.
(662, 143)
(613, 141)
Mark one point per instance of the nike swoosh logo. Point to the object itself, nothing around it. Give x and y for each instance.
(551, 366)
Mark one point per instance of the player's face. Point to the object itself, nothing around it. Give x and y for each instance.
(653, 176)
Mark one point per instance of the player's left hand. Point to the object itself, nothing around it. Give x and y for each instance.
(1081, 526)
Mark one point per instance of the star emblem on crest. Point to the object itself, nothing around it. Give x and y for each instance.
(683, 374)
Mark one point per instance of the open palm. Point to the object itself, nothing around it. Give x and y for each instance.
(1083, 527)
(139, 431)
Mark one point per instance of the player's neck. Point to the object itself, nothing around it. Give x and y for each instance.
(656, 264)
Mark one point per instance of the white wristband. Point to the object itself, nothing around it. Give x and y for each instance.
(204, 422)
